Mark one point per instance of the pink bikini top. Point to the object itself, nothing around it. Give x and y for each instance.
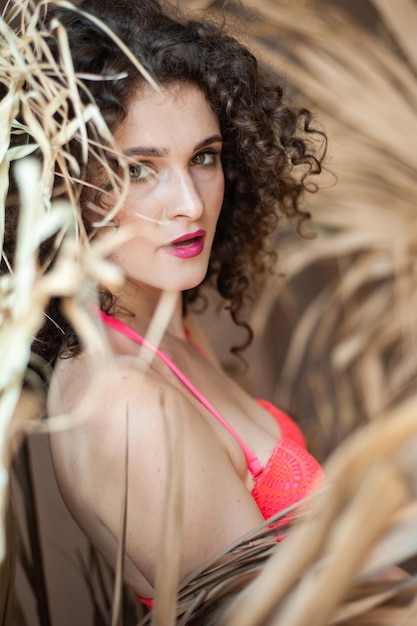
(290, 473)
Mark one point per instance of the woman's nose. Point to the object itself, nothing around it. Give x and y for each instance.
(185, 197)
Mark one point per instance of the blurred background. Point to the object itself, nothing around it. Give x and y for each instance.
(334, 327)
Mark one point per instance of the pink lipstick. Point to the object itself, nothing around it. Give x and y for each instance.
(187, 246)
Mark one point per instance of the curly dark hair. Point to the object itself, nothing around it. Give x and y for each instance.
(269, 147)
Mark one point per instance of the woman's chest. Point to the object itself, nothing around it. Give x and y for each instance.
(240, 423)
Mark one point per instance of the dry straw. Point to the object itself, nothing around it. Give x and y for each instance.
(365, 92)
(358, 335)
(39, 92)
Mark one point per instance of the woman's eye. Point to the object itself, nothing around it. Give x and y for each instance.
(138, 171)
(203, 158)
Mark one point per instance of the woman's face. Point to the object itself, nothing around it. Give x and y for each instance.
(173, 143)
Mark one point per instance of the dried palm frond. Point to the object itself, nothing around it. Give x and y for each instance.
(39, 93)
(317, 575)
(25, 292)
(42, 101)
(7, 571)
(357, 336)
(331, 568)
(33, 564)
(354, 343)
(360, 328)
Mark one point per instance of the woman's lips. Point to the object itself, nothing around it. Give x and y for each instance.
(187, 246)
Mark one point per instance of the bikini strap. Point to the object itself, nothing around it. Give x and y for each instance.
(252, 461)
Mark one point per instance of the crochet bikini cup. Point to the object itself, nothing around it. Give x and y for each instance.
(290, 474)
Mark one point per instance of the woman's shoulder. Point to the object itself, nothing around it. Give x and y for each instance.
(98, 395)
(106, 415)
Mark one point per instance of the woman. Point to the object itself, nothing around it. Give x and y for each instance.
(214, 157)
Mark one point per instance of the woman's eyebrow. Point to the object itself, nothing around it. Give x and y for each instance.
(146, 151)
(150, 151)
(207, 142)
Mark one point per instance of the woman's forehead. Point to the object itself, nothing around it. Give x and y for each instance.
(178, 113)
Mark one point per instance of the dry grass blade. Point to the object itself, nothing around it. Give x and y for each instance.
(398, 543)
(40, 89)
(369, 598)
(167, 572)
(365, 93)
(21, 317)
(160, 320)
(379, 496)
(403, 22)
(111, 35)
(7, 571)
(117, 609)
(8, 109)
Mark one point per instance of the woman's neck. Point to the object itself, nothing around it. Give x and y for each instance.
(148, 308)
